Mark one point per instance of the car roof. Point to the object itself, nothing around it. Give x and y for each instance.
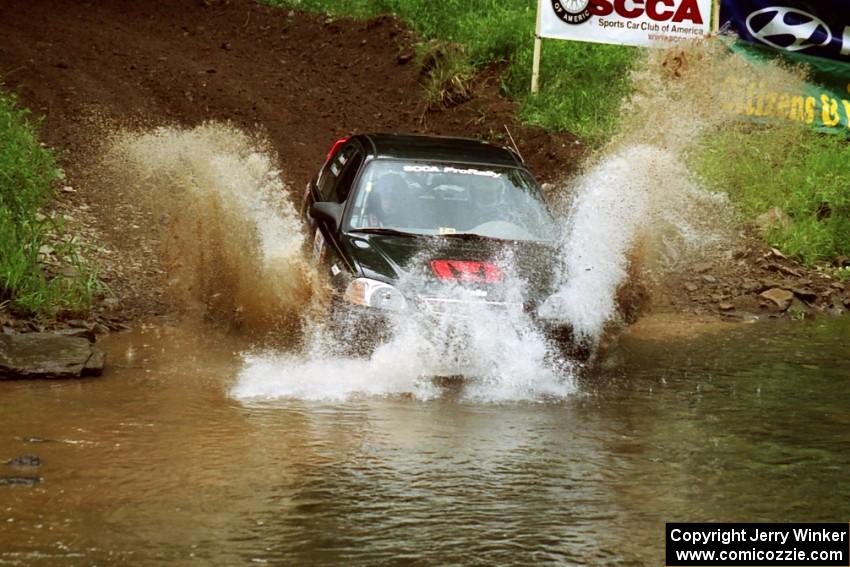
(438, 148)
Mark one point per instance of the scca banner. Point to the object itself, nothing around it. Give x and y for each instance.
(820, 29)
(648, 23)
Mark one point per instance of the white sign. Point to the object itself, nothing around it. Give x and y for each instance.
(647, 23)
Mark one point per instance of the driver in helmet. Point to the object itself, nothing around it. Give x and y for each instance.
(387, 208)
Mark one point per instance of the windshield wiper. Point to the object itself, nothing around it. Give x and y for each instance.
(472, 236)
(387, 231)
(476, 236)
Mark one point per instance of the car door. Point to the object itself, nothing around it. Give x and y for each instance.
(334, 185)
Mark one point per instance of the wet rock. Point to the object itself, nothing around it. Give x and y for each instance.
(805, 294)
(799, 310)
(709, 279)
(82, 333)
(19, 480)
(48, 355)
(116, 325)
(94, 365)
(779, 297)
(784, 270)
(772, 218)
(100, 329)
(25, 461)
(778, 254)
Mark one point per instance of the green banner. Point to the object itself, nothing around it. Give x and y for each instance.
(822, 102)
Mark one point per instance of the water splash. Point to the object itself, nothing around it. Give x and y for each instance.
(230, 236)
(499, 351)
(637, 210)
(640, 195)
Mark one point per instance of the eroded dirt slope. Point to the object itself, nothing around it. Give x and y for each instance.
(303, 79)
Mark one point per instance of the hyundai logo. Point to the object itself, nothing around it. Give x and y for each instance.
(788, 28)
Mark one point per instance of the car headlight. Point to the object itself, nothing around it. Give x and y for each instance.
(373, 293)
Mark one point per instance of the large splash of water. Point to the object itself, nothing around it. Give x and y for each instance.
(232, 243)
(638, 205)
(230, 236)
(637, 212)
(500, 352)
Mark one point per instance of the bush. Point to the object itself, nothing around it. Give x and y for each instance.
(28, 173)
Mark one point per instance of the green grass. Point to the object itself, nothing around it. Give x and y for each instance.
(799, 171)
(582, 84)
(28, 175)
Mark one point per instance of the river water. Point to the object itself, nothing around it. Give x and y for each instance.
(157, 463)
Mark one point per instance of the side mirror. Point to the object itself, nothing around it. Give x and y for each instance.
(328, 213)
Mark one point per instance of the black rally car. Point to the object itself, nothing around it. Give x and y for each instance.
(413, 224)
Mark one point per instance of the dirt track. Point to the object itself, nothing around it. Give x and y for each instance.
(302, 79)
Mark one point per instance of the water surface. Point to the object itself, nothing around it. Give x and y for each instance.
(155, 462)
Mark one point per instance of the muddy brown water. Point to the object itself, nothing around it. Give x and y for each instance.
(155, 463)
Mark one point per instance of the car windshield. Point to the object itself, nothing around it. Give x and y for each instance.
(450, 199)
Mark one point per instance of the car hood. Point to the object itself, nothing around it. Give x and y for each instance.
(432, 266)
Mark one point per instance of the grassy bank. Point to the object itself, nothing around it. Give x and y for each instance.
(582, 84)
(793, 169)
(28, 175)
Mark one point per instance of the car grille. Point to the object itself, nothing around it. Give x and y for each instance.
(444, 305)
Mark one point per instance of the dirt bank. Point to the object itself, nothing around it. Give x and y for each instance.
(299, 80)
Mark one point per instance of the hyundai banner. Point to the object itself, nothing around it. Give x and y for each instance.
(813, 34)
(648, 23)
(821, 29)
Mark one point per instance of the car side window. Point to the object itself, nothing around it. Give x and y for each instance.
(337, 175)
(346, 179)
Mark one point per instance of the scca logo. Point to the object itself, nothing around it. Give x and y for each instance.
(579, 11)
(788, 28)
(572, 11)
